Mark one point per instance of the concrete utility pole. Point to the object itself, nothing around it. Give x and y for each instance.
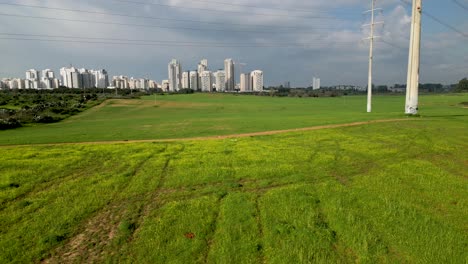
(412, 84)
(371, 53)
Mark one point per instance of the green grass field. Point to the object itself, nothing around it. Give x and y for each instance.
(377, 193)
(197, 115)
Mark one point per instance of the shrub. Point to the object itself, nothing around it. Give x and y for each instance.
(9, 123)
(45, 119)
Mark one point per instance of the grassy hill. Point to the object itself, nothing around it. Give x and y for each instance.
(377, 193)
(182, 116)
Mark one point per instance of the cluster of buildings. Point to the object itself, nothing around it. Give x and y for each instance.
(201, 79)
(123, 82)
(34, 80)
(84, 78)
(72, 77)
(205, 80)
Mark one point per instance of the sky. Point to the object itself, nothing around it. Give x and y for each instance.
(292, 40)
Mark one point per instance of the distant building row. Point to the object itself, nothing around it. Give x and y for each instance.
(71, 78)
(83, 78)
(33, 80)
(75, 78)
(205, 80)
(123, 82)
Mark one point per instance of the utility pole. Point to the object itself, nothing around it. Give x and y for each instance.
(412, 84)
(371, 53)
(371, 57)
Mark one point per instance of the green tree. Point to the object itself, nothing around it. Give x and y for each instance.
(462, 85)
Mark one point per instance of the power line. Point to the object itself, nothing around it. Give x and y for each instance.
(446, 25)
(143, 17)
(152, 26)
(460, 5)
(185, 44)
(225, 11)
(141, 40)
(391, 44)
(259, 7)
(440, 21)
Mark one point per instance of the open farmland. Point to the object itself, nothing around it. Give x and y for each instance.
(376, 193)
(185, 116)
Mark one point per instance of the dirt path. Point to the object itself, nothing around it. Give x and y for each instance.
(253, 134)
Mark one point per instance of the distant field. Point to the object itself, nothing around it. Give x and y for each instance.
(380, 193)
(182, 116)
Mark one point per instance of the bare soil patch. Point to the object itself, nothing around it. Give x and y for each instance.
(90, 243)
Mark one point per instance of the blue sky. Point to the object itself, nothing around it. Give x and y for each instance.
(328, 46)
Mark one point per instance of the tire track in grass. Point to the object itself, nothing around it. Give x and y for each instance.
(45, 186)
(204, 189)
(155, 202)
(236, 185)
(261, 255)
(213, 227)
(99, 230)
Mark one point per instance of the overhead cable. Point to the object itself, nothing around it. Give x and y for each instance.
(154, 26)
(464, 34)
(226, 11)
(186, 44)
(144, 17)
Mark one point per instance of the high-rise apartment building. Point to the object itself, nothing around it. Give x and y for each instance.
(84, 78)
(186, 80)
(87, 78)
(175, 75)
(13, 83)
(229, 70)
(220, 81)
(206, 81)
(48, 73)
(101, 78)
(194, 81)
(32, 77)
(165, 85)
(257, 80)
(245, 82)
(121, 82)
(316, 83)
(48, 80)
(152, 84)
(138, 84)
(144, 84)
(71, 77)
(202, 66)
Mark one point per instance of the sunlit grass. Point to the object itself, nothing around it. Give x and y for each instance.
(380, 193)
